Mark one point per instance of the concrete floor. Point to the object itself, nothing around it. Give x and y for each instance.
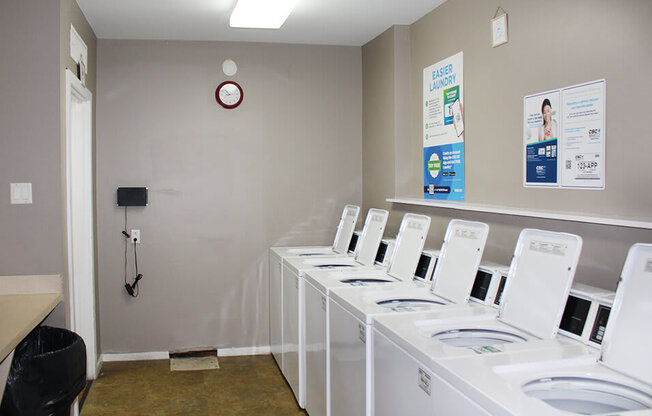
(242, 386)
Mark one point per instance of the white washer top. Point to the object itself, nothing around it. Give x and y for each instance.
(538, 255)
(628, 335)
(504, 384)
(456, 269)
(578, 382)
(326, 280)
(301, 251)
(300, 265)
(409, 244)
(369, 241)
(366, 303)
(494, 381)
(416, 333)
(410, 238)
(539, 280)
(345, 228)
(459, 259)
(372, 232)
(411, 331)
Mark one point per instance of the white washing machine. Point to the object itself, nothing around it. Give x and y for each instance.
(317, 288)
(352, 311)
(618, 381)
(390, 299)
(316, 306)
(292, 345)
(345, 228)
(408, 347)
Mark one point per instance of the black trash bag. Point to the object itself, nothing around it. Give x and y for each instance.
(47, 373)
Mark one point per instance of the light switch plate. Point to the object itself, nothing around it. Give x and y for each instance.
(21, 193)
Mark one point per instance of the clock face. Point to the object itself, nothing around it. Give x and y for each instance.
(229, 94)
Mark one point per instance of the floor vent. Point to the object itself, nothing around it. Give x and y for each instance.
(194, 360)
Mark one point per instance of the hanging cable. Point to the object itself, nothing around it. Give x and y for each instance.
(132, 289)
(127, 236)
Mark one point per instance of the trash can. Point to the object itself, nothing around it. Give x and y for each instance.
(47, 373)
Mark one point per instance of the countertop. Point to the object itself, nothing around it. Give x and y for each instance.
(19, 314)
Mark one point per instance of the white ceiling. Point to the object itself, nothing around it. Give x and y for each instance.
(326, 22)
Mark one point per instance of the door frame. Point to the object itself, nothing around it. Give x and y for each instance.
(80, 217)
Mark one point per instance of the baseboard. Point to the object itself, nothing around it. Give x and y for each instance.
(164, 355)
(231, 352)
(136, 356)
(98, 366)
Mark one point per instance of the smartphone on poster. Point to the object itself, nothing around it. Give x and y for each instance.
(457, 118)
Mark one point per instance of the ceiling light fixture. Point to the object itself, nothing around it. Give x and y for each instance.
(261, 14)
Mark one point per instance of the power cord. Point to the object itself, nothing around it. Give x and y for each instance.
(132, 289)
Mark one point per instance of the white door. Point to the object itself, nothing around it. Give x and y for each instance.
(80, 216)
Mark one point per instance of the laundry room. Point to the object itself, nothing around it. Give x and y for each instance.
(286, 217)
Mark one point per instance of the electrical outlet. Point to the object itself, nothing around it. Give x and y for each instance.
(135, 235)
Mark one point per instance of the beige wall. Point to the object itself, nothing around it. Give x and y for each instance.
(224, 185)
(552, 44)
(378, 153)
(386, 83)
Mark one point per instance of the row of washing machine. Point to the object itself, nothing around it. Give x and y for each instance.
(393, 329)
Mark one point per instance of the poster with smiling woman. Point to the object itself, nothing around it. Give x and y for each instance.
(541, 139)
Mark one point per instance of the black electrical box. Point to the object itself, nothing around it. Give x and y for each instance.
(132, 197)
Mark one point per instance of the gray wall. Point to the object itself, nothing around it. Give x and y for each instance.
(552, 44)
(224, 185)
(32, 238)
(33, 97)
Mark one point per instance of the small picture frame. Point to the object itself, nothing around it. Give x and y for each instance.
(499, 30)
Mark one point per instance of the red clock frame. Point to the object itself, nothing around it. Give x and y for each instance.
(222, 103)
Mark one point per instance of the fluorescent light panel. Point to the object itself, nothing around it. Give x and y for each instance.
(261, 14)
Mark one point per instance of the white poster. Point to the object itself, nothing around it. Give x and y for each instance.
(564, 137)
(584, 133)
(443, 129)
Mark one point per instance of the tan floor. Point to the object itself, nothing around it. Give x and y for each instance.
(242, 386)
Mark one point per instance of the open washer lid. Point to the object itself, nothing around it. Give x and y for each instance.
(372, 233)
(540, 277)
(459, 260)
(627, 339)
(409, 244)
(345, 228)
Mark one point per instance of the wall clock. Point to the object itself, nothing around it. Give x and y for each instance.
(229, 94)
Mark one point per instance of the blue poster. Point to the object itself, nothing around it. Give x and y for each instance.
(443, 129)
(541, 162)
(443, 168)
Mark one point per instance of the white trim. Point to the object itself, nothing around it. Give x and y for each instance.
(136, 356)
(165, 355)
(78, 48)
(100, 363)
(80, 251)
(232, 352)
(496, 209)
